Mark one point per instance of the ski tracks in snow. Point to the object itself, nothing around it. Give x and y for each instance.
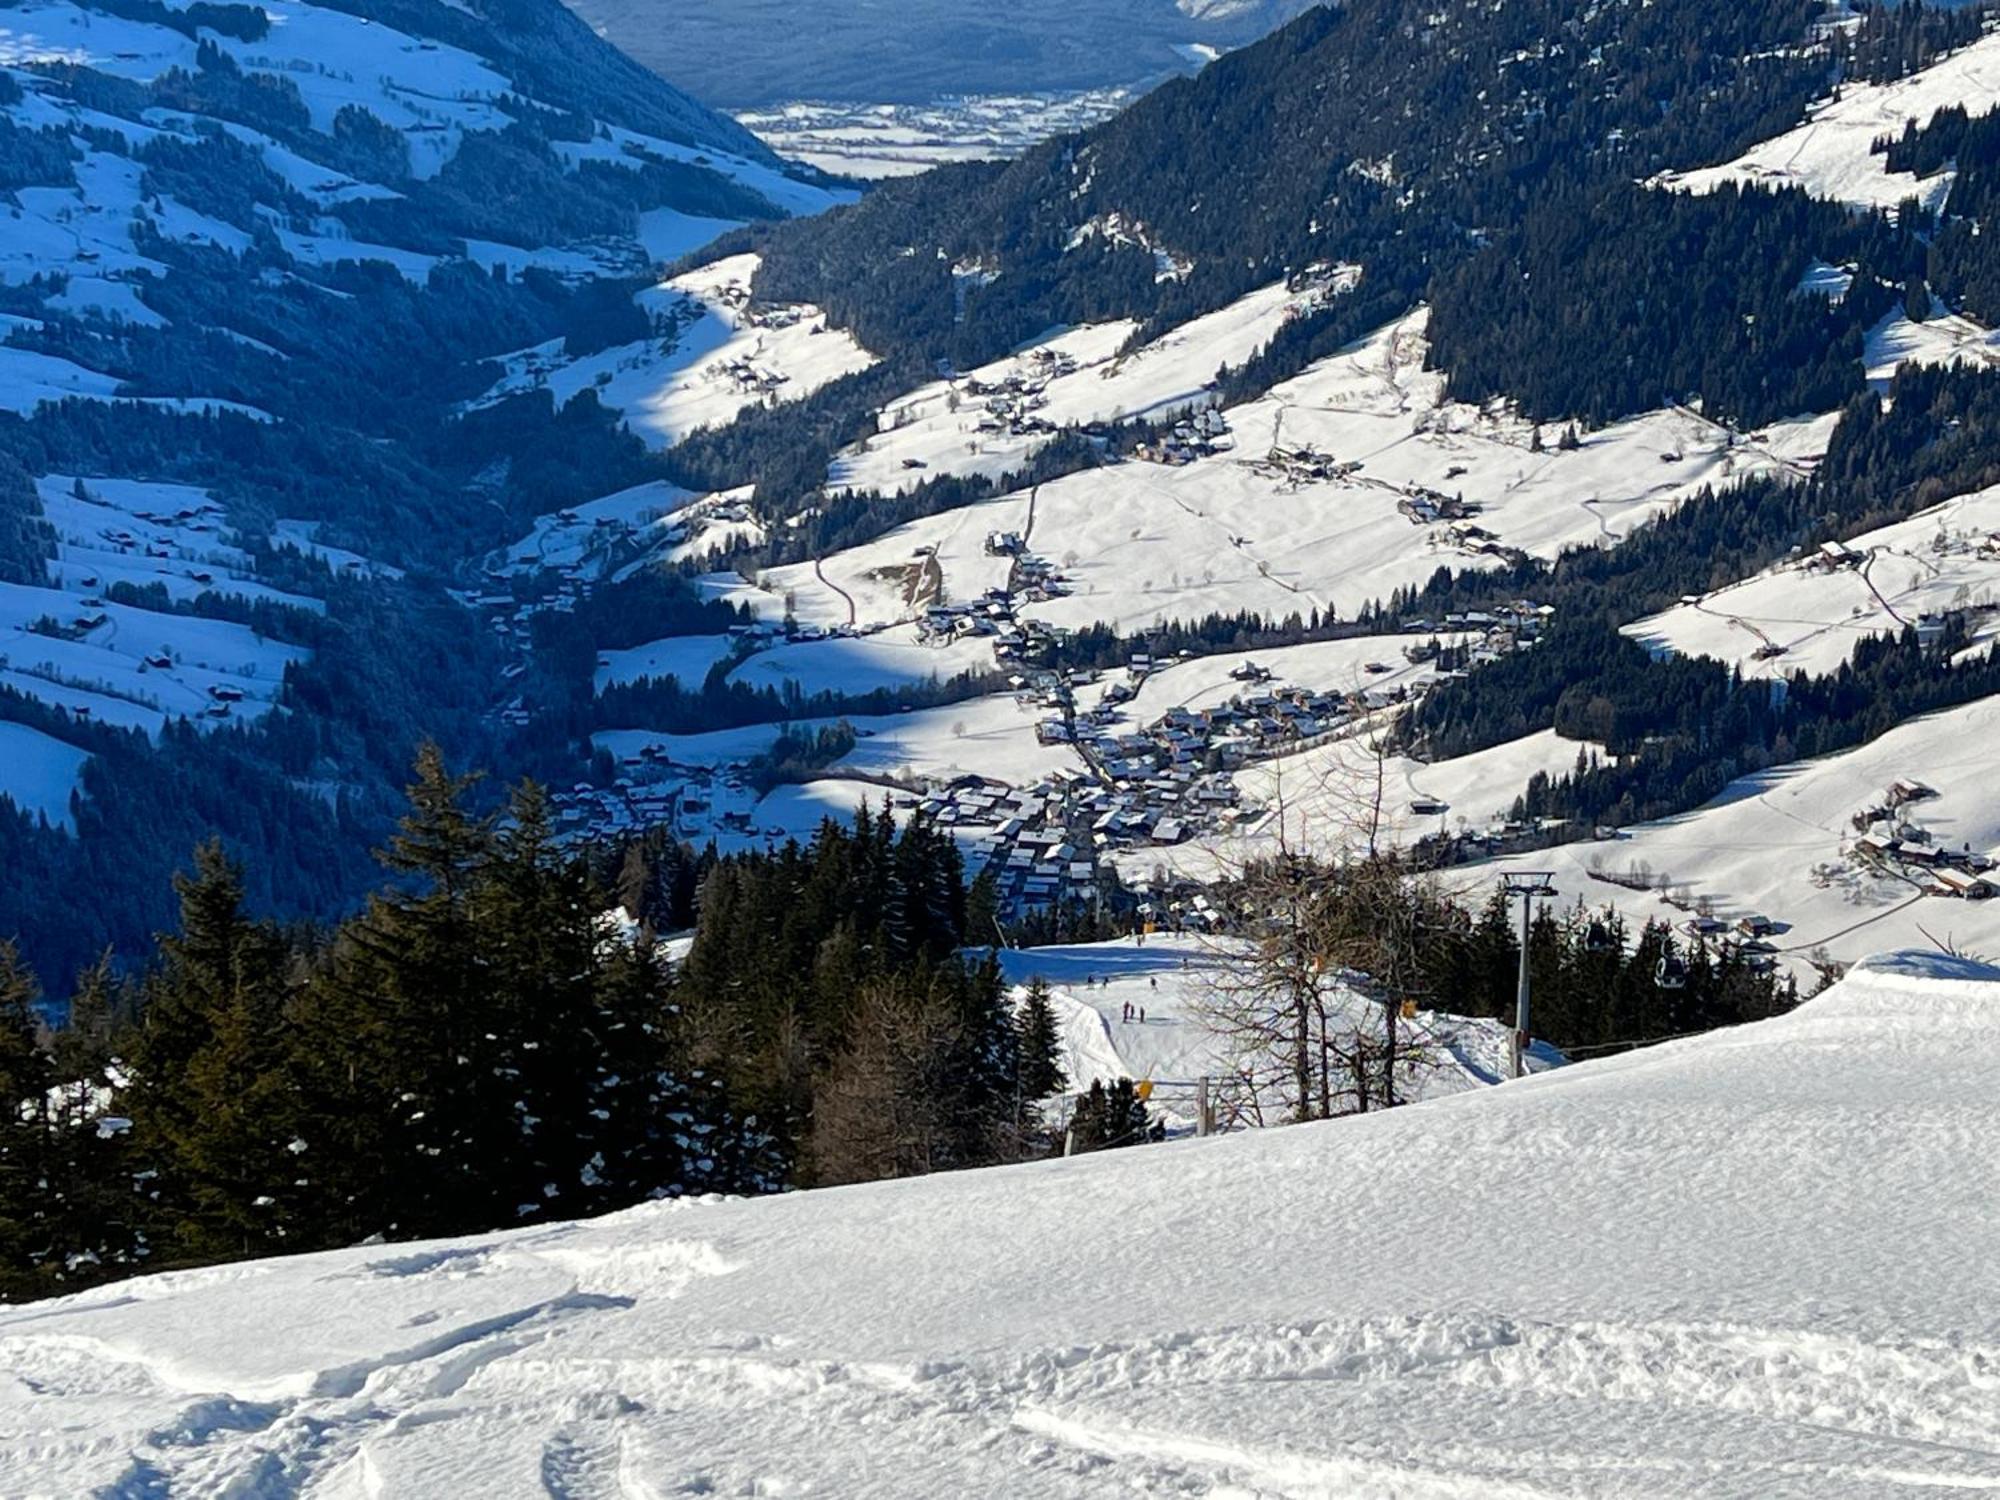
(1462, 1405)
(1441, 1405)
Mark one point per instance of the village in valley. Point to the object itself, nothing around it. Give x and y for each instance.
(1126, 769)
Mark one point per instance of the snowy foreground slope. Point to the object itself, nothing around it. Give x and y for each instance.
(1753, 1264)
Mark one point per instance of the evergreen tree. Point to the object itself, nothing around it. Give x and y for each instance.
(209, 1093)
(25, 1081)
(1038, 1068)
(91, 1205)
(534, 916)
(1106, 1119)
(406, 1001)
(1916, 299)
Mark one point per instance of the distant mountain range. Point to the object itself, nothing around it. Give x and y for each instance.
(744, 54)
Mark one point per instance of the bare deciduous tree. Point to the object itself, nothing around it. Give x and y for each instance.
(878, 1112)
(1312, 992)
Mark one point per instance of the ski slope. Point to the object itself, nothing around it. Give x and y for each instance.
(1173, 983)
(1753, 1264)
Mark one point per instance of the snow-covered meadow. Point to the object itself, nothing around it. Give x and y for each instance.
(127, 665)
(722, 358)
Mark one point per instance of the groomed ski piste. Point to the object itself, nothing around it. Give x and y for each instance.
(1148, 1007)
(1754, 1264)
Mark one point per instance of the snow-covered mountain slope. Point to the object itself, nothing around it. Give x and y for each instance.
(1352, 516)
(1785, 844)
(342, 108)
(1809, 614)
(130, 664)
(1323, 801)
(39, 773)
(193, 201)
(744, 54)
(1752, 1264)
(722, 358)
(1831, 154)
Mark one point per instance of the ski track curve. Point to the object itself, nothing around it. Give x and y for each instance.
(1164, 1415)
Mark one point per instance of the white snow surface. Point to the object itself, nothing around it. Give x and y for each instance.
(992, 735)
(684, 657)
(1173, 983)
(38, 772)
(1829, 155)
(107, 668)
(1781, 843)
(668, 387)
(1944, 338)
(1141, 543)
(1335, 799)
(1937, 560)
(1752, 1264)
(862, 664)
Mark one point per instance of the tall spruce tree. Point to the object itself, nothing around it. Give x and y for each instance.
(25, 1081)
(210, 1095)
(534, 914)
(1038, 1069)
(408, 986)
(92, 1202)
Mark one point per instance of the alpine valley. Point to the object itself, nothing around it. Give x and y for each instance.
(556, 661)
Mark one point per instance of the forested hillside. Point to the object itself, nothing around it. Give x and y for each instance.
(254, 262)
(1308, 148)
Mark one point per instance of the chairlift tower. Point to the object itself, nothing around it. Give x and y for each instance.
(1530, 886)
